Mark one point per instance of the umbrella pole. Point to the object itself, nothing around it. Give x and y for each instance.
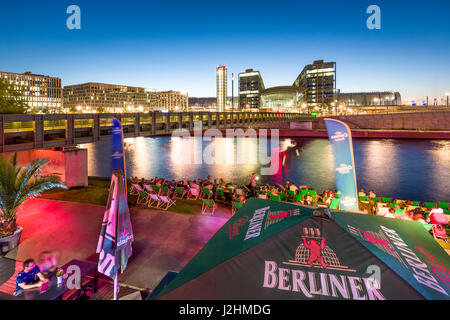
(116, 288)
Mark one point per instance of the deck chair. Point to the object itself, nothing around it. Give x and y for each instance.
(443, 205)
(282, 196)
(291, 195)
(298, 198)
(386, 200)
(375, 199)
(154, 201)
(447, 214)
(148, 188)
(262, 196)
(235, 206)
(208, 204)
(312, 192)
(206, 193)
(165, 190)
(303, 192)
(143, 197)
(335, 204)
(179, 193)
(165, 202)
(135, 188)
(363, 198)
(415, 203)
(156, 189)
(437, 219)
(429, 205)
(192, 194)
(275, 198)
(220, 195)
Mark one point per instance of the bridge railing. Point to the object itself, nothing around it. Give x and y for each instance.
(28, 131)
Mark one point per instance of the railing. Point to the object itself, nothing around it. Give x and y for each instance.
(22, 132)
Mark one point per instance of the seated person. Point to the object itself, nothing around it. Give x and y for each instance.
(30, 277)
(293, 187)
(48, 263)
(362, 193)
(372, 194)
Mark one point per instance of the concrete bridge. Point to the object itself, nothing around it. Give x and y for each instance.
(29, 132)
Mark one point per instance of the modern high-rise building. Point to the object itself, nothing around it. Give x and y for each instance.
(319, 79)
(39, 92)
(102, 97)
(250, 86)
(221, 74)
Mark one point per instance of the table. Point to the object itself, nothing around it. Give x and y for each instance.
(55, 291)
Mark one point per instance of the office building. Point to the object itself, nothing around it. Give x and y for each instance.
(250, 86)
(171, 101)
(102, 97)
(39, 92)
(319, 80)
(221, 74)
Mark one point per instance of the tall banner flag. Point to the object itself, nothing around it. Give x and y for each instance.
(342, 145)
(116, 234)
(117, 154)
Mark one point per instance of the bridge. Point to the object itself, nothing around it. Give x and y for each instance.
(29, 132)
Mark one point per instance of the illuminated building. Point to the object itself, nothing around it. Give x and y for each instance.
(319, 80)
(101, 97)
(38, 91)
(171, 101)
(282, 99)
(384, 98)
(250, 87)
(221, 88)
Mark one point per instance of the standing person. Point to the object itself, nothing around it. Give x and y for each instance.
(287, 185)
(30, 277)
(252, 185)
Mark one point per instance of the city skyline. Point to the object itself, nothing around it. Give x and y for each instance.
(132, 46)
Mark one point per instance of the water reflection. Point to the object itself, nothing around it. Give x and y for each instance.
(418, 170)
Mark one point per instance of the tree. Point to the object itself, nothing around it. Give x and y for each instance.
(11, 100)
(19, 184)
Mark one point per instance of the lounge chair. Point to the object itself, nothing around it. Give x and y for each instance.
(154, 201)
(429, 205)
(443, 205)
(208, 204)
(386, 200)
(303, 192)
(312, 192)
(192, 194)
(156, 189)
(415, 203)
(282, 196)
(235, 206)
(335, 204)
(179, 193)
(165, 202)
(291, 195)
(363, 198)
(143, 197)
(165, 190)
(206, 193)
(135, 188)
(275, 198)
(298, 198)
(220, 195)
(437, 219)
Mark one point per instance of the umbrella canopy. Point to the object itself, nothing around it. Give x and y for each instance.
(277, 250)
(116, 235)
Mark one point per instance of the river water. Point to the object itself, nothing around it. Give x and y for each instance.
(401, 169)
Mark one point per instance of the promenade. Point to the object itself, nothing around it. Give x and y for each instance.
(163, 240)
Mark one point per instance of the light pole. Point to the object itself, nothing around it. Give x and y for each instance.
(232, 92)
(447, 94)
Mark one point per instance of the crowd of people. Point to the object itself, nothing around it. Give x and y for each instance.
(290, 191)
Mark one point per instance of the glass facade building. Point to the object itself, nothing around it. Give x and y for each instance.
(319, 80)
(250, 87)
(282, 99)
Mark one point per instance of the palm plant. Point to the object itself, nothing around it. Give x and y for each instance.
(18, 184)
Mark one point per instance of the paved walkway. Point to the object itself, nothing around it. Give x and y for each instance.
(163, 240)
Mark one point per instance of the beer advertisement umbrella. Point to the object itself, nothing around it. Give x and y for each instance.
(278, 250)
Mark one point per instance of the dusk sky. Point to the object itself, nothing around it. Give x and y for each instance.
(178, 44)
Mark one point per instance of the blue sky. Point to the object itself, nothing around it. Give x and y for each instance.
(178, 44)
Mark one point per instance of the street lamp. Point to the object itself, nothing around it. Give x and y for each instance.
(447, 94)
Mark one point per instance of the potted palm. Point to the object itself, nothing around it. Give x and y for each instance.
(16, 186)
